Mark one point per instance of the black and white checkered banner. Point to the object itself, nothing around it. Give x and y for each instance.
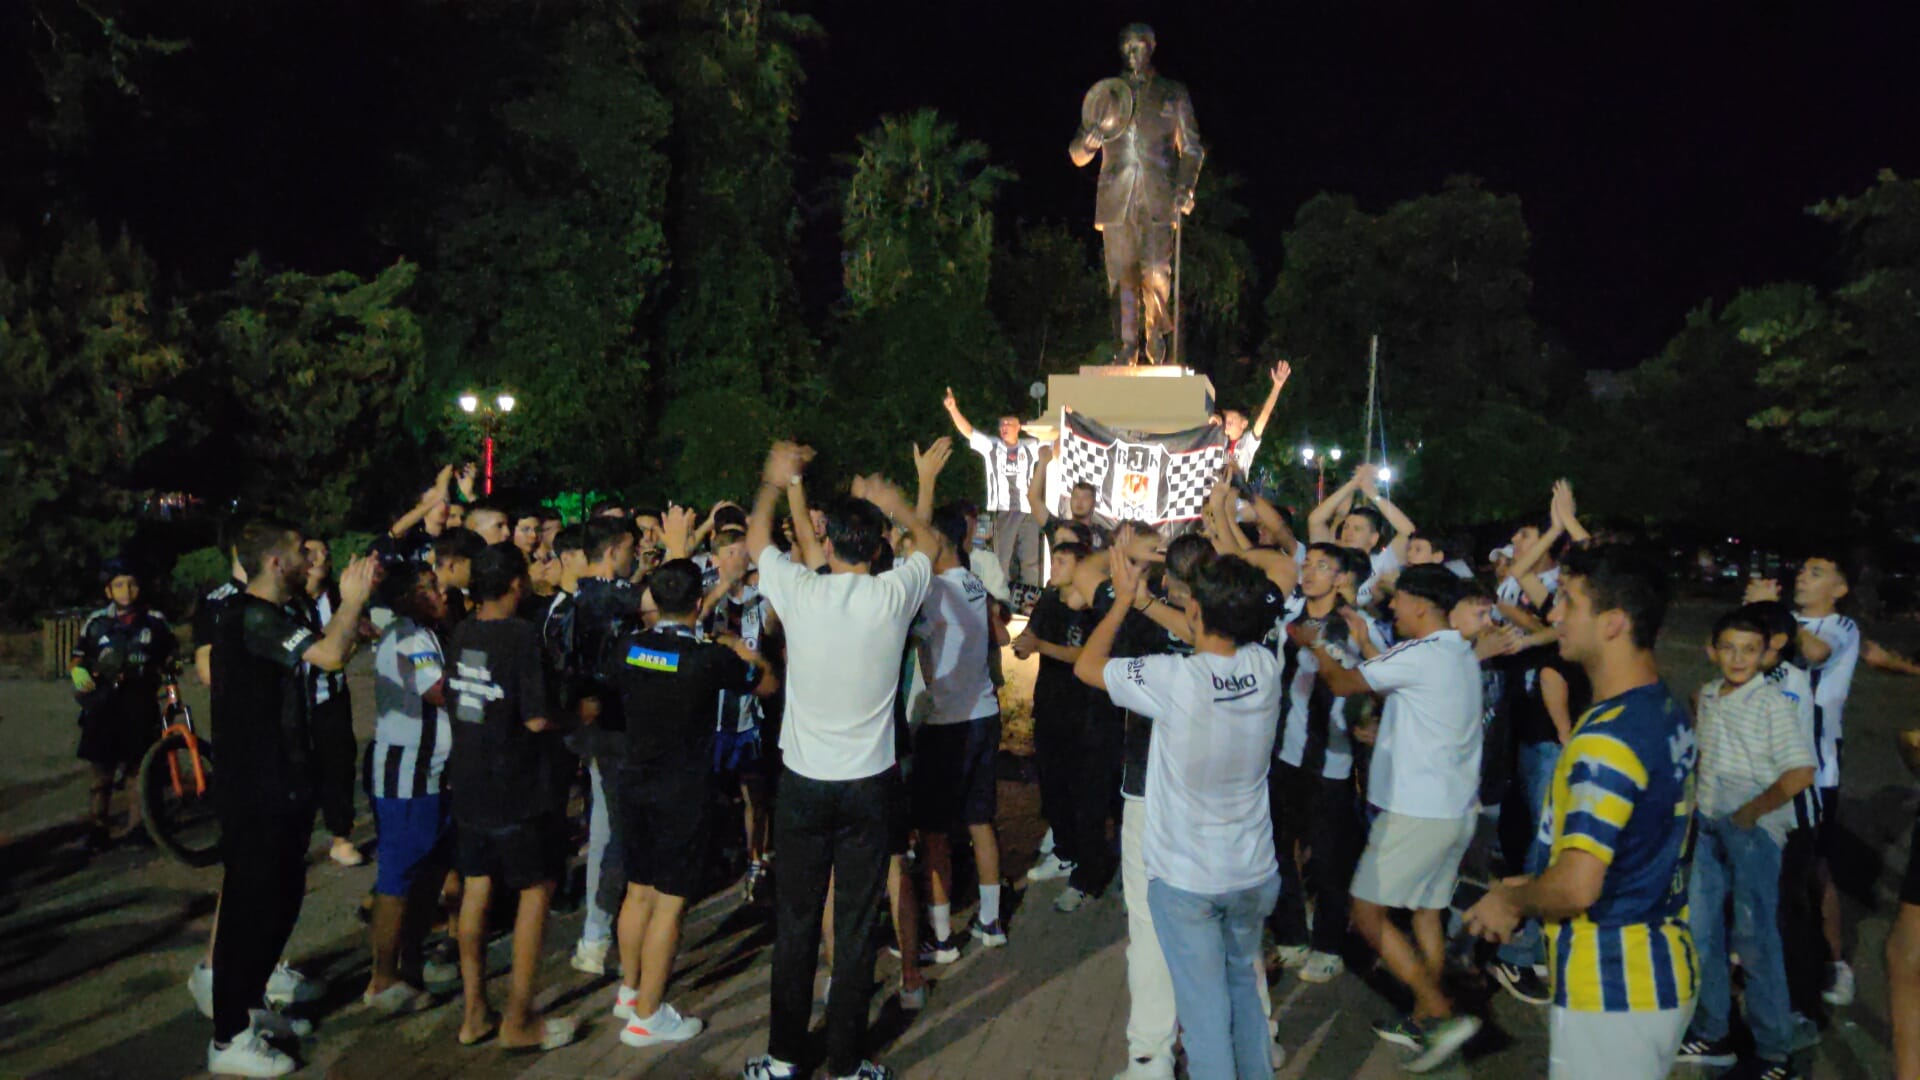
(1156, 479)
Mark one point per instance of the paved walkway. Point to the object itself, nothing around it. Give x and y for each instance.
(93, 954)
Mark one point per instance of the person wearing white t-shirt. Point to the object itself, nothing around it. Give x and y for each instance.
(1243, 441)
(846, 631)
(1365, 528)
(954, 749)
(1424, 786)
(1010, 461)
(1207, 843)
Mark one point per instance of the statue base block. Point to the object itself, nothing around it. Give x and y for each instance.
(1155, 400)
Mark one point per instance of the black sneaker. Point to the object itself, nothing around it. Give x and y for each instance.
(1698, 1051)
(1758, 1069)
(1524, 983)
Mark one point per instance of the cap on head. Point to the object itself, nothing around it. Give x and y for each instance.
(1136, 32)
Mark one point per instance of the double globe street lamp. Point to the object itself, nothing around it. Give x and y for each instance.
(488, 414)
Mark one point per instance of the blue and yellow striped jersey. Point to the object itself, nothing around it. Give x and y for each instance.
(1623, 793)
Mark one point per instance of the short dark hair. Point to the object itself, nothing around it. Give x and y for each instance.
(495, 571)
(260, 538)
(1378, 519)
(675, 585)
(547, 513)
(728, 534)
(1187, 553)
(1838, 560)
(1742, 620)
(1354, 564)
(1434, 584)
(607, 508)
(1621, 578)
(485, 505)
(1081, 533)
(882, 559)
(397, 583)
(1087, 485)
(1075, 551)
(856, 528)
(646, 511)
(950, 521)
(458, 544)
(1778, 618)
(604, 534)
(1232, 596)
(729, 517)
(571, 538)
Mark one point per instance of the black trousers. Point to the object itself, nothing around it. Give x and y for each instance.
(265, 879)
(1320, 814)
(1079, 759)
(338, 757)
(834, 828)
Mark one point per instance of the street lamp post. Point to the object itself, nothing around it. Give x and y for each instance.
(1313, 459)
(488, 415)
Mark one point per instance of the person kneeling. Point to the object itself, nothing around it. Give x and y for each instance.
(669, 684)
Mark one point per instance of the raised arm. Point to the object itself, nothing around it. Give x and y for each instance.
(877, 490)
(1564, 513)
(338, 640)
(1269, 516)
(1320, 522)
(782, 468)
(1037, 489)
(1279, 376)
(1091, 667)
(806, 539)
(1369, 476)
(953, 410)
(927, 465)
(676, 531)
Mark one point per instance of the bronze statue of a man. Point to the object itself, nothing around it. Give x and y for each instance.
(1150, 155)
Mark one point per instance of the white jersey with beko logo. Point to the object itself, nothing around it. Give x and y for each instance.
(1832, 678)
(955, 639)
(1209, 829)
(1426, 760)
(1009, 469)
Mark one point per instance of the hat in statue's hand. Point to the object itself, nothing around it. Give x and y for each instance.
(1108, 108)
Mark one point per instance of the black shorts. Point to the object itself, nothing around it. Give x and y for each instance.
(899, 815)
(516, 856)
(1829, 829)
(1910, 885)
(666, 827)
(119, 729)
(953, 780)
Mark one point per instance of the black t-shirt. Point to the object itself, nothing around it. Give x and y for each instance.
(605, 610)
(670, 684)
(1056, 689)
(1531, 721)
(499, 771)
(207, 616)
(260, 709)
(415, 546)
(1139, 636)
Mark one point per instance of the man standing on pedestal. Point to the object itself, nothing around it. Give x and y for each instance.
(1010, 461)
(1150, 148)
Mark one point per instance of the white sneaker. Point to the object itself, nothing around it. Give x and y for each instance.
(1070, 900)
(1050, 868)
(1146, 1068)
(768, 1067)
(200, 985)
(397, 1000)
(913, 1000)
(1287, 957)
(623, 1003)
(591, 956)
(1046, 843)
(344, 853)
(1840, 993)
(1321, 968)
(275, 1024)
(288, 987)
(248, 1055)
(664, 1026)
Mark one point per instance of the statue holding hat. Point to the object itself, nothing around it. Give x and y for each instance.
(1142, 126)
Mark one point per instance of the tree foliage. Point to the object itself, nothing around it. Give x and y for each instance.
(89, 357)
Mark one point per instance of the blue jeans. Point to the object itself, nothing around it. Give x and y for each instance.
(600, 916)
(1212, 946)
(1743, 863)
(1537, 761)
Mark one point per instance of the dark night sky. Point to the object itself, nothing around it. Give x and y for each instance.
(1663, 153)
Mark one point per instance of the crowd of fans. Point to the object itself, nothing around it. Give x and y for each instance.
(1296, 752)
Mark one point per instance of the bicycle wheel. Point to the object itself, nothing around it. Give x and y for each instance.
(179, 819)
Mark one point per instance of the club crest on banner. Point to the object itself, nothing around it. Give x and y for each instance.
(1162, 482)
(1134, 480)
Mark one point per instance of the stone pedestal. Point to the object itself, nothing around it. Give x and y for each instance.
(1154, 400)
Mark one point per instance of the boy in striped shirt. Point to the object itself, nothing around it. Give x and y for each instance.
(1613, 837)
(1753, 760)
(410, 745)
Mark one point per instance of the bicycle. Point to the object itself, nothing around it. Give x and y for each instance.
(176, 783)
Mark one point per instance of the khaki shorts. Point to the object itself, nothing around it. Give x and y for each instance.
(1412, 863)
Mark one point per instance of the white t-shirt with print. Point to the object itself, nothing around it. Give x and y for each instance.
(1426, 760)
(845, 634)
(955, 638)
(1209, 829)
(1832, 679)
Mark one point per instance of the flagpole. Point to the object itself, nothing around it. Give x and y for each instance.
(1373, 370)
